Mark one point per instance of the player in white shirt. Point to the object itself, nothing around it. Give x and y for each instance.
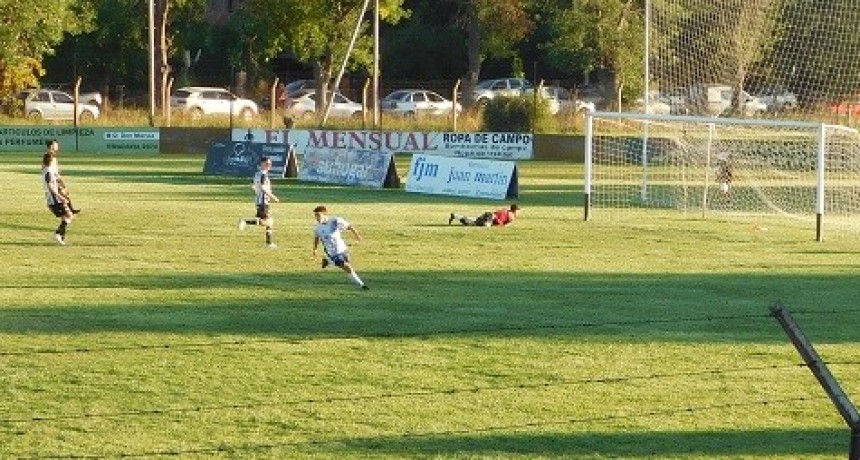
(329, 231)
(263, 188)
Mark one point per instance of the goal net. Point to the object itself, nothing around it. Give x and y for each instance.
(785, 59)
(706, 166)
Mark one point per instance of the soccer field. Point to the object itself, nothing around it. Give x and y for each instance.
(162, 331)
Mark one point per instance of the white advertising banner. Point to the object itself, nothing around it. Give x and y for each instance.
(496, 146)
(475, 178)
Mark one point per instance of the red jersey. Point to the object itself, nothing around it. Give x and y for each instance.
(503, 217)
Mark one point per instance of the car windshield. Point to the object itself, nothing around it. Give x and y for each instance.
(397, 96)
(62, 98)
(182, 93)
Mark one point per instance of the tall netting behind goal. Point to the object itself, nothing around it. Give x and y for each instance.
(786, 59)
(732, 168)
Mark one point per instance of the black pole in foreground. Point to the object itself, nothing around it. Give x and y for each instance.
(822, 373)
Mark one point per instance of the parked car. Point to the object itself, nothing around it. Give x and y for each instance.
(718, 99)
(50, 104)
(776, 98)
(413, 102)
(657, 104)
(303, 104)
(199, 101)
(487, 90)
(561, 100)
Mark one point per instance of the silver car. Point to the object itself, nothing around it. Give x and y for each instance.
(303, 105)
(51, 104)
(415, 102)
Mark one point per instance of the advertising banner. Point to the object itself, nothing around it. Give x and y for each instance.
(243, 158)
(498, 146)
(367, 168)
(35, 138)
(119, 140)
(463, 177)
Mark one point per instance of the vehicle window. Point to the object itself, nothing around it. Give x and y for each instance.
(500, 85)
(62, 98)
(209, 95)
(339, 98)
(397, 96)
(182, 93)
(419, 97)
(433, 97)
(42, 96)
(516, 84)
(562, 94)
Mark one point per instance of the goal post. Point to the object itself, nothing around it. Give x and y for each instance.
(728, 167)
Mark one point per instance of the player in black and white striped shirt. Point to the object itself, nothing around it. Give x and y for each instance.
(58, 202)
(263, 187)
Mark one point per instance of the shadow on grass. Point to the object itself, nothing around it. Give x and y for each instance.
(664, 444)
(679, 307)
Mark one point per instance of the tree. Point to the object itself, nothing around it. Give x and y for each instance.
(313, 31)
(166, 37)
(589, 35)
(30, 31)
(114, 51)
(493, 28)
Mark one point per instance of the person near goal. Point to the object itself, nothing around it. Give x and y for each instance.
(329, 231)
(58, 203)
(262, 186)
(724, 172)
(500, 218)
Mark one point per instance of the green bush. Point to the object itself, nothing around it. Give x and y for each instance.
(517, 114)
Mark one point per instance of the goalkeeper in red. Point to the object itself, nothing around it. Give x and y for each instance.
(329, 230)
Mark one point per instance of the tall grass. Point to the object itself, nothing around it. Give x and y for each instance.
(163, 331)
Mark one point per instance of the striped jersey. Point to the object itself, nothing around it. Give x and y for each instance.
(51, 183)
(263, 187)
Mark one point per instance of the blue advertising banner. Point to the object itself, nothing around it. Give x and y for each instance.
(242, 159)
(367, 168)
(463, 177)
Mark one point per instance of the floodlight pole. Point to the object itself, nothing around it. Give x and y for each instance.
(151, 59)
(375, 96)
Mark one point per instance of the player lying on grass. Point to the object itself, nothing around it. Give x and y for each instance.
(501, 217)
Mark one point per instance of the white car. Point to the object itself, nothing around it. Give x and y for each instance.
(561, 100)
(200, 101)
(414, 102)
(51, 104)
(303, 104)
(487, 90)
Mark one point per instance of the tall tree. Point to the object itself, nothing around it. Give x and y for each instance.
(30, 31)
(314, 31)
(113, 52)
(166, 37)
(493, 29)
(607, 35)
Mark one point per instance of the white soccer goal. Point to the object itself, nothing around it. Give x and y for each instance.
(708, 166)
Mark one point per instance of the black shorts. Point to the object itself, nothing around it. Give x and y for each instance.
(59, 209)
(262, 211)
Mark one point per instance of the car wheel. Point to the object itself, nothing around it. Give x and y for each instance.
(246, 114)
(357, 115)
(86, 115)
(410, 114)
(34, 115)
(482, 102)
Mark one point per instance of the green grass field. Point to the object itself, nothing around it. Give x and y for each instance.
(162, 331)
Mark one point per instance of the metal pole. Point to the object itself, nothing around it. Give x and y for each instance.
(151, 62)
(819, 189)
(327, 108)
(375, 97)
